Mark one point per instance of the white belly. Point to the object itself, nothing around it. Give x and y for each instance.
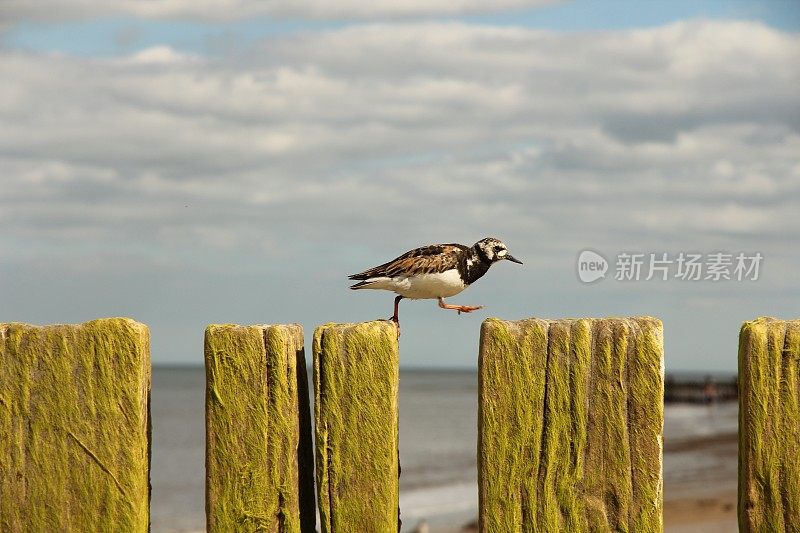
(439, 285)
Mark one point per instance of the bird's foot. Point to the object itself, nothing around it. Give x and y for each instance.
(459, 308)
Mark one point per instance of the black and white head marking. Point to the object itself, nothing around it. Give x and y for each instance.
(481, 256)
(491, 250)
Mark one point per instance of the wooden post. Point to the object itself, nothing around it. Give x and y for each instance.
(259, 454)
(570, 425)
(75, 427)
(356, 379)
(769, 425)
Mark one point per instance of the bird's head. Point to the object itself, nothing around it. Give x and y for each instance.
(493, 250)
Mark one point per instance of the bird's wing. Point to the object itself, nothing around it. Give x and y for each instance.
(433, 258)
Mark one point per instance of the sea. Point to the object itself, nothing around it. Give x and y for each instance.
(438, 436)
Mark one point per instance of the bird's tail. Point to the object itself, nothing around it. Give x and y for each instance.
(381, 282)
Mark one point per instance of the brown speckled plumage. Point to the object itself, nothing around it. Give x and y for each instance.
(424, 260)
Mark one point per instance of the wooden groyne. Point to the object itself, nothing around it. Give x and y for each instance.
(356, 380)
(75, 427)
(570, 425)
(570, 434)
(769, 426)
(259, 458)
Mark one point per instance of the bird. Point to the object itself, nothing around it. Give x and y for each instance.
(436, 271)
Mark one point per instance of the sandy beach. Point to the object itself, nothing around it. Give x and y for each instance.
(701, 499)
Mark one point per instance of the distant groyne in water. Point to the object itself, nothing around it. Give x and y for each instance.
(703, 388)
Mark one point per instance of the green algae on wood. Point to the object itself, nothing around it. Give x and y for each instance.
(75, 427)
(646, 422)
(259, 454)
(356, 379)
(570, 425)
(769, 425)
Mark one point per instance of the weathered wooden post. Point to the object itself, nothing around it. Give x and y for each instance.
(259, 454)
(75, 427)
(769, 425)
(356, 379)
(570, 425)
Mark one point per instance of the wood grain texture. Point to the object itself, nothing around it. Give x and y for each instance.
(769, 426)
(259, 454)
(571, 425)
(75, 427)
(356, 380)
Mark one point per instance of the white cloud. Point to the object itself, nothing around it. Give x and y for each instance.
(222, 10)
(688, 131)
(159, 55)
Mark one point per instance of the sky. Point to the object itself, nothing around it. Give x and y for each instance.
(194, 162)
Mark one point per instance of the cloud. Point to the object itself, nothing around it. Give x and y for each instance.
(158, 55)
(223, 10)
(687, 129)
(440, 128)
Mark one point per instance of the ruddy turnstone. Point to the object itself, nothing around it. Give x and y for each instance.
(435, 271)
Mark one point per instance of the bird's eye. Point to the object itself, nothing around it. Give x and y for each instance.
(497, 248)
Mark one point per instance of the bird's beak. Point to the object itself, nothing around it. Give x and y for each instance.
(512, 259)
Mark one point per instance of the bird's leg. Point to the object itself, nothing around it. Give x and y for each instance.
(459, 308)
(395, 317)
